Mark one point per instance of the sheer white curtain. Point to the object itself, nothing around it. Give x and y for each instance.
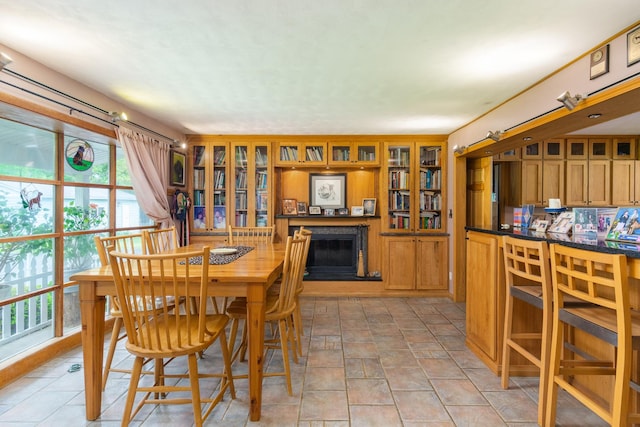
(148, 161)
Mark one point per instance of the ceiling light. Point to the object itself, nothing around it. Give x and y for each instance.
(494, 135)
(459, 150)
(116, 117)
(4, 60)
(527, 138)
(594, 116)
(569, 101)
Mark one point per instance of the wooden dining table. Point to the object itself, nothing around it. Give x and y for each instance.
(248, 276)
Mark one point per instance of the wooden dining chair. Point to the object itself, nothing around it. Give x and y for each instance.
(279, 310)
(129, 243)
(161, 240)
(528, 280)
(600, 280)
(298, 327)
(250, 235)
(169, 334)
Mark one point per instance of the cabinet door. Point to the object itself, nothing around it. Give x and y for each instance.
(289, 154)
(431, 263)
(599, 182)
(532, 151)
(199, 183)
(367, 153)
(552, 181)
(400, 262)
(577, 183)
(577, 149)
(599, 148)
(261, 203)
(623, 191)
(240, 186)
(532, 182)
(430, 195)
(553, 149)
(397, 179)
(482, 293)
(624, 149)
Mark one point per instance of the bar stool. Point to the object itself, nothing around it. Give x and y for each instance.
(599, 279)
(528, 279)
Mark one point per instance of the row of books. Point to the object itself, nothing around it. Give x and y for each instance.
(399, 200)
(399, 179)
(430, 201)
(241, 179)
(198, 178)
(399, 157)
(218, 179)
(315, 154)
(241, 156)
(261, 157)
(241, 200)
(198, 197)
(399, 220)
(429, 220)
(289, 154)
(430, 156)
(261, 180)
(367, 154)
(262, 200)
(430, 179)
(219, 156)
(198, 156)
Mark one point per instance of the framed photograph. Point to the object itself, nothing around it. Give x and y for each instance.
(626, 225)
(328, 191)
(369, 206)
(585, 220)
(343, 211)
(199, 220)
(177, 163)
(219, 218)
(289, 207)
(302, 208)
(329, 212)
(542, 225)
(315, 210)
(562, 224)
(633, 47)
(357, 210)
(599, 62)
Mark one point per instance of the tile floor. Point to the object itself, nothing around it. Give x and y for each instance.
(368, 362)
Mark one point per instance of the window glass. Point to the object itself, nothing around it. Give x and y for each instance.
(86, 161)
(122, 171)
(85, 208)
(27, 151)
(128, 211)
(26, 209)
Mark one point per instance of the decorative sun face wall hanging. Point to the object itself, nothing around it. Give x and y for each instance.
(79, 155)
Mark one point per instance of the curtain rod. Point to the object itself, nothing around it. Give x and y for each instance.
(73, 98)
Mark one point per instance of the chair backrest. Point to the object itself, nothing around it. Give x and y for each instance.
(128, 243)
(292, 274)
(526, 263)
(161, 240)
(146, 286)
(251, 235)
(303, 233)
(593, 277)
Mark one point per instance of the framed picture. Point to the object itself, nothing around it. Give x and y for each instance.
(625, 226)
(177, 162)
(585, 220)
(315, 210)
(369, 206)
(562, 224)
(302, 208)
(343, 211)
(289, 207)
(542, 225)
(633, 47)
(599, 61)
(219, 218)
(329, 212)
(328, 191)
(357, 210)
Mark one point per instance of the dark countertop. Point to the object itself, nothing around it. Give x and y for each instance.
(598, 244)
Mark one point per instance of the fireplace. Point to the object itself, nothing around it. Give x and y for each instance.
(333, 254)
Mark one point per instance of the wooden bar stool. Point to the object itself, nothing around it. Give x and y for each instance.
(600, 280)
(528, 279)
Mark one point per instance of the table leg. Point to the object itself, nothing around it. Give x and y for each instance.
(92, 309)
(256, 295)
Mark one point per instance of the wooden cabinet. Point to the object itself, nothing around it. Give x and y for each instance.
(599, 148)
(415, 262)
(532, 151)
(303, 154)
(542, 180)
(360, 154)
(625, 176)
(508, 156)
(624, 149)
(414, 179)
(484, 298)
(588, 183)
(251, 187)
(208, 181)
(577, 149)
(553, 149)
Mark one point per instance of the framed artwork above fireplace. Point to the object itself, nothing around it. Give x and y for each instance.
(329, 191)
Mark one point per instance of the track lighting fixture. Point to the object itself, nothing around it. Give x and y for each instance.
(459, 150)
(569, 101)
(4, 60)
(116, 117)
(494, 135)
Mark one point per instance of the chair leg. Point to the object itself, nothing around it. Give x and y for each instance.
(297, 324)
(506, 350)
(195, 390)
(133, 387)
(115, 334)
(554, 369)
(285, 354)
(226, 358)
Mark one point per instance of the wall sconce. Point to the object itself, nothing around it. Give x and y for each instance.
(569, 101)
(4, 60)
(459, 150)
(116, 117)
(494, 135)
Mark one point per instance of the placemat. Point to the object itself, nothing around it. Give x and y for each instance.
(223, 259)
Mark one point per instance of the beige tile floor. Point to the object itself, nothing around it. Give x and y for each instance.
(367, 362)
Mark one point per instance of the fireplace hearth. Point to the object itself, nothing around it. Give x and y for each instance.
(333, 254)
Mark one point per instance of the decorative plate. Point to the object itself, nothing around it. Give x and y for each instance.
(224, 251)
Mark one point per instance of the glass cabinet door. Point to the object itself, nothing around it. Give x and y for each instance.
(430, 191)
(241, 186)
(262, 185)
(199, 186)
(219, 187)
(399, 187)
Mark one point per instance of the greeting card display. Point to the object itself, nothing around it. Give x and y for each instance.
(625, 226)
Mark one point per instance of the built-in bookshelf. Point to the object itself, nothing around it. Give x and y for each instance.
(209, 187)
(399, 187)
(430, 193)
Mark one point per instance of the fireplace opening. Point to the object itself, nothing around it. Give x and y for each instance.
(333, 253)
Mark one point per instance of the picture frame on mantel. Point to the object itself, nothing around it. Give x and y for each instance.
(329, 191)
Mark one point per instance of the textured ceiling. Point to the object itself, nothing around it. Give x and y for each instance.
(310, 67)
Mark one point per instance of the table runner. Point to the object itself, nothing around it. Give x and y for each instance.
(223, 259)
